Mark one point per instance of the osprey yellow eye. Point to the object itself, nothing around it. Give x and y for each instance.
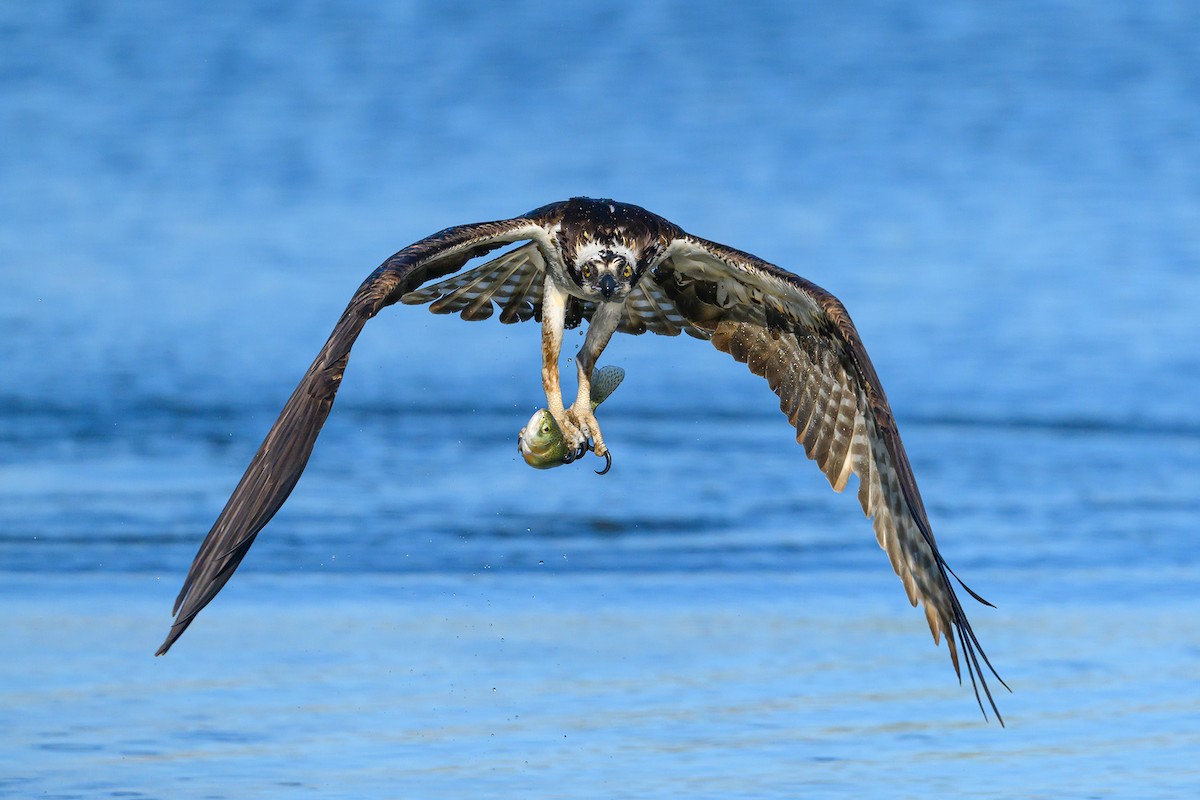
(625, 273)
(587, 272)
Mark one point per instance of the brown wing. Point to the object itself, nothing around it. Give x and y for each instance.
(281, 458)
(800, 338)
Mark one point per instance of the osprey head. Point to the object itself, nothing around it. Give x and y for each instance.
(607, 246)
(605, 271)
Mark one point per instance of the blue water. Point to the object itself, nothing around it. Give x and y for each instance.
(1007, 200)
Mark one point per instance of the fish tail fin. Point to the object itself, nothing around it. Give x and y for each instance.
(605, 381)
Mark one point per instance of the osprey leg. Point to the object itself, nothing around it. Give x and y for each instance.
(600, 330)
(553, 316)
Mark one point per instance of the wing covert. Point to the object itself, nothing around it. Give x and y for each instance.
(513, 281)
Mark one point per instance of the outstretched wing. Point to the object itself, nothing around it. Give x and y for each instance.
(800, 338)
(281, 458)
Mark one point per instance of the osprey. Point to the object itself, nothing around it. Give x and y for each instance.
(624, 269)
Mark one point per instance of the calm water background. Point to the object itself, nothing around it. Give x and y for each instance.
(1007, 199)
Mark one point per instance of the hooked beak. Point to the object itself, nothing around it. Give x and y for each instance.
(608, 286)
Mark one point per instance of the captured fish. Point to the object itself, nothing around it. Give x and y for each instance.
(541, 442)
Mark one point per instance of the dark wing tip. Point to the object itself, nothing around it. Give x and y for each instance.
(176, 631)
(973, 652)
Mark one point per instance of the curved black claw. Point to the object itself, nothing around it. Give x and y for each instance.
(578, 453)
(572, 456)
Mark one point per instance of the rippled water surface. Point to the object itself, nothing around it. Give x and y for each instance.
(1007, 201)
